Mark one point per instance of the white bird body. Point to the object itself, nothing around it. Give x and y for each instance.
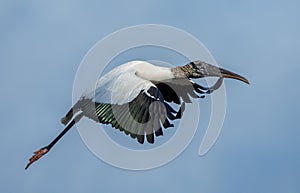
(135, 98)
(125, 82)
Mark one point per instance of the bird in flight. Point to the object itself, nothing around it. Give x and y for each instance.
(136, 98)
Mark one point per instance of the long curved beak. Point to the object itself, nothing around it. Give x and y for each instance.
(211, 70)
(228, 74)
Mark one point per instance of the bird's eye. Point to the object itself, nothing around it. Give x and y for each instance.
(199, 70)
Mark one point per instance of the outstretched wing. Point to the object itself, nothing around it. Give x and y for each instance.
(129, 103)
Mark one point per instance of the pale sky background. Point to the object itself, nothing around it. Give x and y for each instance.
(42, 44)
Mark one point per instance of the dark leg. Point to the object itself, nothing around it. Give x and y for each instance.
(38, 154)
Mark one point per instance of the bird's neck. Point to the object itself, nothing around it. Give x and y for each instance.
(182, 71)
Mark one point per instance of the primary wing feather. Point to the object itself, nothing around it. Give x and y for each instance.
(144, 116)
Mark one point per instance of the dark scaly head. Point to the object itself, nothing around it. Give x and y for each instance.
(200, 69)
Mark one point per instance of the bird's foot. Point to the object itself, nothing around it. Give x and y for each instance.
(37, 155)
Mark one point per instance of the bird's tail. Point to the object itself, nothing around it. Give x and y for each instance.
(66, 119)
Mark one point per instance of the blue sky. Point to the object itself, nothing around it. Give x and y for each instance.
(42, 44)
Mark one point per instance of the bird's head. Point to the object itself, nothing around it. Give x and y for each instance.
(200, 69)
